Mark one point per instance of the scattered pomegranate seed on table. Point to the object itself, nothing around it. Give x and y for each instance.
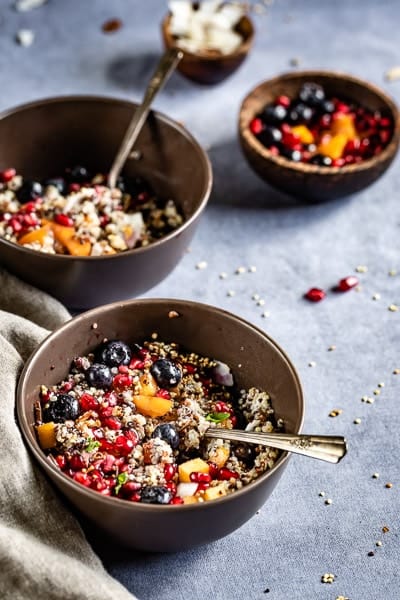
(315, 294)
(347, 283)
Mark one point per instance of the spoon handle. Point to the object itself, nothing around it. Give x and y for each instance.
(325, 447)
(166, 65)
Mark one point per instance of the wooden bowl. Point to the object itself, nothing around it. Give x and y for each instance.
(203, 329)
(211, 67)
(312, 182)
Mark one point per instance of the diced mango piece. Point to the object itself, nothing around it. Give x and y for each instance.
(152, 406)
(215, 492)
(66, 237)
(195, 465)
(219, 456)
(47, 435)
(37, 235)
(305, 135)
(148, 385)
(190, 500)
(334, 146)
(344, 124)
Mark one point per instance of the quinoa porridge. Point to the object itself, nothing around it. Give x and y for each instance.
(128, 421)
(78, 215)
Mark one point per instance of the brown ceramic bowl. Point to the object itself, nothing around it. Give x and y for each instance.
(307, 181)
(42, 138)
(211, 68)
(204, 329)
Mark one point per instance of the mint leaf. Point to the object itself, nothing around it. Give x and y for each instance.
(121, 479)
(92, 445)
(217, 417)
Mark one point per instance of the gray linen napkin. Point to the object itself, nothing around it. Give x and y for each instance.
(43, 551)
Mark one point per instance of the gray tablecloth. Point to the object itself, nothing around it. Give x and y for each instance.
(283, 552)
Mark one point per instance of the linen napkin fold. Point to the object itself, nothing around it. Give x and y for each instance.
(43, 551)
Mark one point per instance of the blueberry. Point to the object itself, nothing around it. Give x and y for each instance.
(273, 114)
(63, 408)
(155, 494)
(327, 107)
(312, 94)
(320, 160)
(99, 376)
(114, 353)
(78, 174)
(270, 136)
(168, 433)
(57, 182)
(300, 113)
(29, 190)
(290, 154)
(166, 373)
(245, 453)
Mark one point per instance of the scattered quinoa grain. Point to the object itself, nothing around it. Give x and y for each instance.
(358, 288)
(173, 314)
(240, 270)
(388, 485)
(202, 265)
(328, 501)
(252, 269)
(342, 598)
(328, 578)
(376, 297)
(265, 314)
(294, 62)
(392, 272)
(255, 296)
(321, 494)
(396, 372)
(94, 326)
(375, 476)
(357, 421)
(370, 400)
(111, 25)
(377, 392)
(331, 348)
(378, 543)
(393, 308)
(260, 302)
(385, 529)
(336, 412)
(361, 269)
(223, 275)
(371, 553)
(381, 384)
(312, 363)
(230, 293)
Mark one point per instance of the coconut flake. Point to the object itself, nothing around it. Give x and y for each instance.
(25, 37)
(222, 374)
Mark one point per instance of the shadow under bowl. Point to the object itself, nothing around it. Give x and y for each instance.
(210, 68)
(306, 181)
(255, 360)
(40, 139)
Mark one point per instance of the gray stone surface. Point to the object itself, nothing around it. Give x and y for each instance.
(295, 538)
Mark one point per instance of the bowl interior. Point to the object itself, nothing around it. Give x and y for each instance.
(255, 359)
(336, 85)
(62, 132)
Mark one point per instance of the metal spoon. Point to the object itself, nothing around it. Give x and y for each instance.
(165, 67)
(325, 447)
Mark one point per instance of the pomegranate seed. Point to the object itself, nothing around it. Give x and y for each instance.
(132, 435)
(108, 463)
(121, 382)
(341, 107)
(144, 354)
(76, 462)
(274, 150)
(171, 487)
(15, 224)
(169, 472)
(82, 478)
(105, 411)
(283, 101)
(112, 423)
(74, 187)
(88, 402)
(29, 207)
(222, 407)
(130, 487)
(111, 398)
(256, 126)
(338, 162)
(123, 369)
(385, 122)
(352, 146)
(177, 500)
(135, 497)
(347, 283)
(104, 220)
(385, 136)
(190, 369)
(286, 128)
(325, 121)
(226, 474)
(315, 295)
(233, 420)
(7, 175)
(123, 445)
(163, 394)
(106, 446)
(136, 363)
(213, 470)
(61, 461)
(202, 486)
(64, 220)
(291, 140)
(29, 221)
(198, 477)
(67, 386)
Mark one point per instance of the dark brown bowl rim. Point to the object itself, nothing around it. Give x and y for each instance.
(243, 48)
(26, 426)
(160, 116)
(300, 167)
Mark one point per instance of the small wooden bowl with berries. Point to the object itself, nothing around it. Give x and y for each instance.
(318, 135)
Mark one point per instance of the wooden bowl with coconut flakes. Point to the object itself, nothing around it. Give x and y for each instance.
(215, 38)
